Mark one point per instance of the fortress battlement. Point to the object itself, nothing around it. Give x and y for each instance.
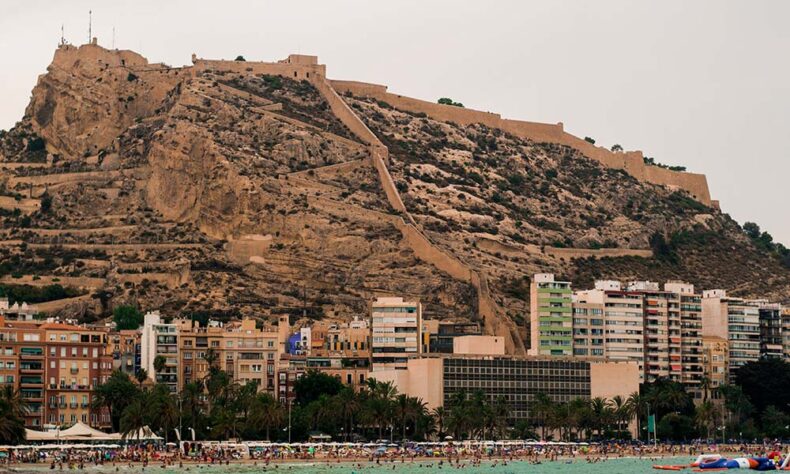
(307, 67)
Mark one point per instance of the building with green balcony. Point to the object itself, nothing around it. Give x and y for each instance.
(551, 317)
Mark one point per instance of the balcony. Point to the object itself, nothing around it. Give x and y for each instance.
(31, 369)
(74, 371)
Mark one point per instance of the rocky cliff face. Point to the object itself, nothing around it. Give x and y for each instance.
(242, 193)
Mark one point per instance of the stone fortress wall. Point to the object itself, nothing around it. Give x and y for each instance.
(632, 162)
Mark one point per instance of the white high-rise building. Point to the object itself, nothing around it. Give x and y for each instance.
(159, 339)
(396, 329)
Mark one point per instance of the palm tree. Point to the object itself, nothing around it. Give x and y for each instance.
(382, 395)
(500, 411)
(620, 408)
(159, 364)
(348, 405)
(320, 410)
(141, 376)
(162, 404)
(191, 404)
(134, 417)
(440, 416)
(408, 409)
(705, 417)
(601, 413)
(13, 409)
(543, 407)
(267, 412)
(638, 405)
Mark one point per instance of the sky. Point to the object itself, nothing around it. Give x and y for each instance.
(704, 84)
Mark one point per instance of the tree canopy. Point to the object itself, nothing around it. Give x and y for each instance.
(127, 317)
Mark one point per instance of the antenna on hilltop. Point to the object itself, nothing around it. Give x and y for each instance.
(62, 35)
(113, 37)
(90, 26)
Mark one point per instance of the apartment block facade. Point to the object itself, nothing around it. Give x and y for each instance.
(396, 332)
(735, 320)
(551, 318)
(55, 367)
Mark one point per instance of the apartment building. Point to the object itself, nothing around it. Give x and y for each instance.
(735, 320)
(159, 342)
(125, 350)
(396, 332)
(715, 364)
(771, 336)
(350, 340)
(786, 333)
(659, 330)
(55, 366)
(608, 323)
(76, 362)
(662, 331)
(247, 353)
(353, 372)
(551, 318)
(691, 349)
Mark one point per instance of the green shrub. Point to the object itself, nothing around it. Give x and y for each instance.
(449, 101)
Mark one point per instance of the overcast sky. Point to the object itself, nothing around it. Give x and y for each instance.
(704, 84)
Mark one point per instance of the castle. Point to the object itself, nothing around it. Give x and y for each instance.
(305, 67)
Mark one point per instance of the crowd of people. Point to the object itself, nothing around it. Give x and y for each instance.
(463, 454)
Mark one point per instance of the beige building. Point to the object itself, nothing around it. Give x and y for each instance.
(662, 335)
(608, 324)
(351, 339)
(436, 378)
(735, 320)
(660, 330)
(396, 332)
(715, 363)
(690, 335)
(550, 317)
(248, 354)
(786, 333)
(480, 345)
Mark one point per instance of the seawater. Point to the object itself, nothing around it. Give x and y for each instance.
(577, 466)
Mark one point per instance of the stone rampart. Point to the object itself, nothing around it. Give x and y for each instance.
(420, 244)
(291, 67)
(632, 162)
(596, 253)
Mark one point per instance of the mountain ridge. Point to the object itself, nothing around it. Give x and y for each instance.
(282, 191)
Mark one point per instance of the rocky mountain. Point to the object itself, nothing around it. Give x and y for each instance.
(263, 188)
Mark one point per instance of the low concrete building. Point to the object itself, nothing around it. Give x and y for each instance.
(436, 378)
(479, 345)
